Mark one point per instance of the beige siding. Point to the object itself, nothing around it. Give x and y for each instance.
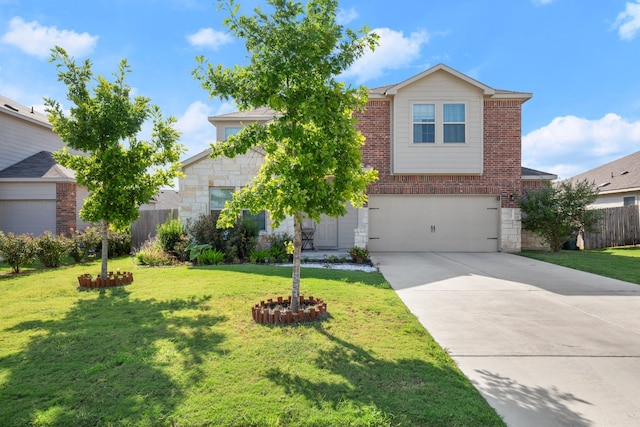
(81, 194)
(427, 158)
(27, 191)
(614, 200)
(15, 135)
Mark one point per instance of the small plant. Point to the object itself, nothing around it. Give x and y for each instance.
(210, 257)
(359, 255)
(52, 249)
(18, 251)
(280, 247)
(258, 256)
(151, 254)
(195, 250)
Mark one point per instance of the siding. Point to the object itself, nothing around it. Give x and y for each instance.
(15, 135)
(27, 191)
(438, 158)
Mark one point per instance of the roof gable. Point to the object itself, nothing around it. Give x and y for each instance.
(15, 109)
(39, 166)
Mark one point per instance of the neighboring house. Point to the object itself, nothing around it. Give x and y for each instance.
(618, 182)
(36, 193)
(447, 149)
(167, 198)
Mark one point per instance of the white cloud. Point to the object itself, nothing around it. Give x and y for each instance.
(628, 22)
(570, 145)
(37, 40)
(394, 51)
(209, 38)
(197, 132)
(345, 16)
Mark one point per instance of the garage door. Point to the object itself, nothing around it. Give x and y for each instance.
(402, 223)
(28, 216)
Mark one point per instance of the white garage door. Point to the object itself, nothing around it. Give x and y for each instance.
(407, 223)
(28, 216)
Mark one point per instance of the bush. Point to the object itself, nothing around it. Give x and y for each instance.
(52, 249)
(258, 256)
(18, 251)
(279, 247)
(84, 244)
(236, 243)
(119, 243)
(170, 234)
(359, 255)
(210, 257)
(151, 254)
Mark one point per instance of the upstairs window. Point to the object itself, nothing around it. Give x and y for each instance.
(453, 125)
(231, 130)
(424, 123)
(629, 201)
(439, 123)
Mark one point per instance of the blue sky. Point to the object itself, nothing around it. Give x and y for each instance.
(579, 58)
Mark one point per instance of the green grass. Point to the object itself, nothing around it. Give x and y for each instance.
(617, 263)
(178, 347)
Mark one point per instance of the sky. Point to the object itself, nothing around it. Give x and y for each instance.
(579, 58)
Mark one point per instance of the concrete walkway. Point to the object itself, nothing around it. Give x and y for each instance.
(545, 345)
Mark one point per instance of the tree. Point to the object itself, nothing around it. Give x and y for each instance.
(120, 171)
(312, 160)
(559, 212)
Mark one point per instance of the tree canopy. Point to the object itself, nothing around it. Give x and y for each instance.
(120, 171)
(559, 212)
(296, 54)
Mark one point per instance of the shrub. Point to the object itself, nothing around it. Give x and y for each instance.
(52, 249)
(210, 257)
(18, 251)
(236, 243)
(359, 255)
(170, 235)
(258, 256)
(84, 244)
(151, 254)
(119, 243)
(279, 247)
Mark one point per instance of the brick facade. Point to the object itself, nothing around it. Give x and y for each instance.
(65, 207)
(502, 151)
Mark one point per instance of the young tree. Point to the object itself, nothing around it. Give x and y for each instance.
(120, 171)
(559, 212)
(313, 162)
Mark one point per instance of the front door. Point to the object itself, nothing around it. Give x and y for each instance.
(326, 235)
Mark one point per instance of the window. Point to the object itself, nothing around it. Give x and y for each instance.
(231, 130)
(453, 122)
(439, 123)
(424, 123)
(629, 201)
(218, 197)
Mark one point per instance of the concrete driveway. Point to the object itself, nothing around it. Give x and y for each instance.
(545, 345)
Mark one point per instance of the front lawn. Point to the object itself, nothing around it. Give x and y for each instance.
(178, 347)
(617, 263)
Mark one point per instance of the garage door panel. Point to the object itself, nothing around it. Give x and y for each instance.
(28, 216)
(433, 223)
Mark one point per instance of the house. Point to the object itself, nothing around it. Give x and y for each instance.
(447, 149)
(618, 182)
(36, 193)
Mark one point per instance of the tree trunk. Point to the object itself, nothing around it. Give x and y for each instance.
(297, 248)
(105, 248)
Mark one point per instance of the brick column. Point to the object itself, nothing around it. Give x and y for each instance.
(65, 207)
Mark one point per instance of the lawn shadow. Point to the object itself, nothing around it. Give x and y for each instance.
(538, 405)
(406, 391)
(103, 363)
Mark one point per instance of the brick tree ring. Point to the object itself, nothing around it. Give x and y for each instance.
(277, 311)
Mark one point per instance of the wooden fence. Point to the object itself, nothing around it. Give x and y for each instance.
(144, 227)
(617, 227)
